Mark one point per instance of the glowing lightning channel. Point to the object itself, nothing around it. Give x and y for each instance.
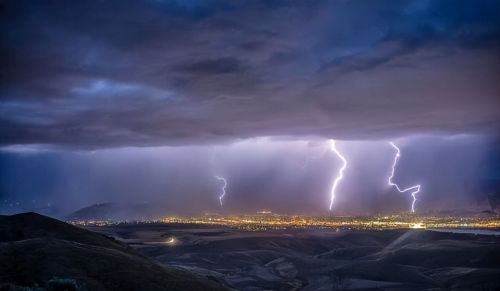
(223, 188)
(340, 174)
(414, 189)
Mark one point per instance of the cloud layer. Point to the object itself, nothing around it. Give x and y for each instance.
(121, 73)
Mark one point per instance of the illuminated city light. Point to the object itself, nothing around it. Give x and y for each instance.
(265, 212)
(262, 222)
(414, 189)
(340, 174)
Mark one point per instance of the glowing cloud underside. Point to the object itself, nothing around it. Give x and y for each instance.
(223, 188)
(340, 174)
(414, 189)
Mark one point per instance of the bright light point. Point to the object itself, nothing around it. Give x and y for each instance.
(171, 241)
(414, 189)
(265, 212)
(418, 225)
(223, 188)
(340, 174)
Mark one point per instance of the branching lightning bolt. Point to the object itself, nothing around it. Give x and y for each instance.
(223, 188)
(414, 189)
(340, 174)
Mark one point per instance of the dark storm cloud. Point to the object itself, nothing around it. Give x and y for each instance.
(213, 67)
(113, 73)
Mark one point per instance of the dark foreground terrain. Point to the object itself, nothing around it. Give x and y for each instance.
(37, 251)
(322, 259)
(40, 251)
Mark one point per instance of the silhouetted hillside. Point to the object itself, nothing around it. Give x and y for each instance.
(494, 200)
(112, 211)
(95, 211)
(33, 225)
(38, 250)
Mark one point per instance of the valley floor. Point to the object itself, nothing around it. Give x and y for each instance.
(310, 259)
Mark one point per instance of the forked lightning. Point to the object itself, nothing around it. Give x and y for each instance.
(414, 189)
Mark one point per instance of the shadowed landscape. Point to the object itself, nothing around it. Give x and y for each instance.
(153, 256)
(323, 259)
(35, 250)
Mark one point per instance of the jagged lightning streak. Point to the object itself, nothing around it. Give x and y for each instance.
(414, 189)
(223, 188)
(340, 174)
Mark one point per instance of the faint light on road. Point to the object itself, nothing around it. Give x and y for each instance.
(172, 241)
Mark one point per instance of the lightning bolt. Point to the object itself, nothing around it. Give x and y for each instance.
(223, 188)
(414, 189)
(340, 174)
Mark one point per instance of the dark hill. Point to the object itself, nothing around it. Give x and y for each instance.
(35, 249)
(95, 211)
(494, 200)
(33, 225)
(113, 211)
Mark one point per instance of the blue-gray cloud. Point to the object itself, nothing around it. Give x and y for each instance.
(117, 73)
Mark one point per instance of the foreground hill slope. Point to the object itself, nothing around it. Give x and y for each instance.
(35, 249)
(33, 225)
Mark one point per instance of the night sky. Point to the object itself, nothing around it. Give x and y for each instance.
(143, 102)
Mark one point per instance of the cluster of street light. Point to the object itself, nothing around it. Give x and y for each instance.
(269, 221)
